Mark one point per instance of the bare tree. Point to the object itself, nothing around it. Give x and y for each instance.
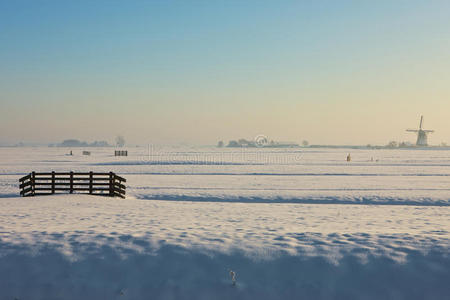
(392, 144)
(120, 141)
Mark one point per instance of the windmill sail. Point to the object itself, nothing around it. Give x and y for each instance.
(422, 135)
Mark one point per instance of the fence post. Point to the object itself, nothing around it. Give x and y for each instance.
(111, 184)
(53, 182)
(120, 182)
(71, 182)
(33, 176)
(90, 182)
(23, 188)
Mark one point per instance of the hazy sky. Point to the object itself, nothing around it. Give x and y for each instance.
(331, 72)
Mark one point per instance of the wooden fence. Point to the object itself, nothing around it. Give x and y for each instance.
(106, 184)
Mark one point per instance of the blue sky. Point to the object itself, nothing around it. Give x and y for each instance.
(351, 72)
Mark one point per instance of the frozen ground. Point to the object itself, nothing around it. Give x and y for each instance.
(331, 240)
(419, 177)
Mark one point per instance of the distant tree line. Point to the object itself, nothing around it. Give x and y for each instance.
(394, 145)
(244, 143)
(120, 142)
(77, 143)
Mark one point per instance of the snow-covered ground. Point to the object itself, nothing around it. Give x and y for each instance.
(418, 177)
(293, 224)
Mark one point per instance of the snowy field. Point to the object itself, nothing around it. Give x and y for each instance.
(293, 224)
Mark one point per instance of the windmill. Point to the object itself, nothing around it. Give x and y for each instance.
(422, 135)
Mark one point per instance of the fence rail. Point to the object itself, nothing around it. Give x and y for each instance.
(120, 153)
(106, 184)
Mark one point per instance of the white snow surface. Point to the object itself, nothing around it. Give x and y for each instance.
(419, 177)
(291, 223)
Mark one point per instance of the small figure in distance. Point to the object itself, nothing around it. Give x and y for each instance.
(349, 158)
(233, 277)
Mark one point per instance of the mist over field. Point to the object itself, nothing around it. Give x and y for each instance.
(196, 73)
